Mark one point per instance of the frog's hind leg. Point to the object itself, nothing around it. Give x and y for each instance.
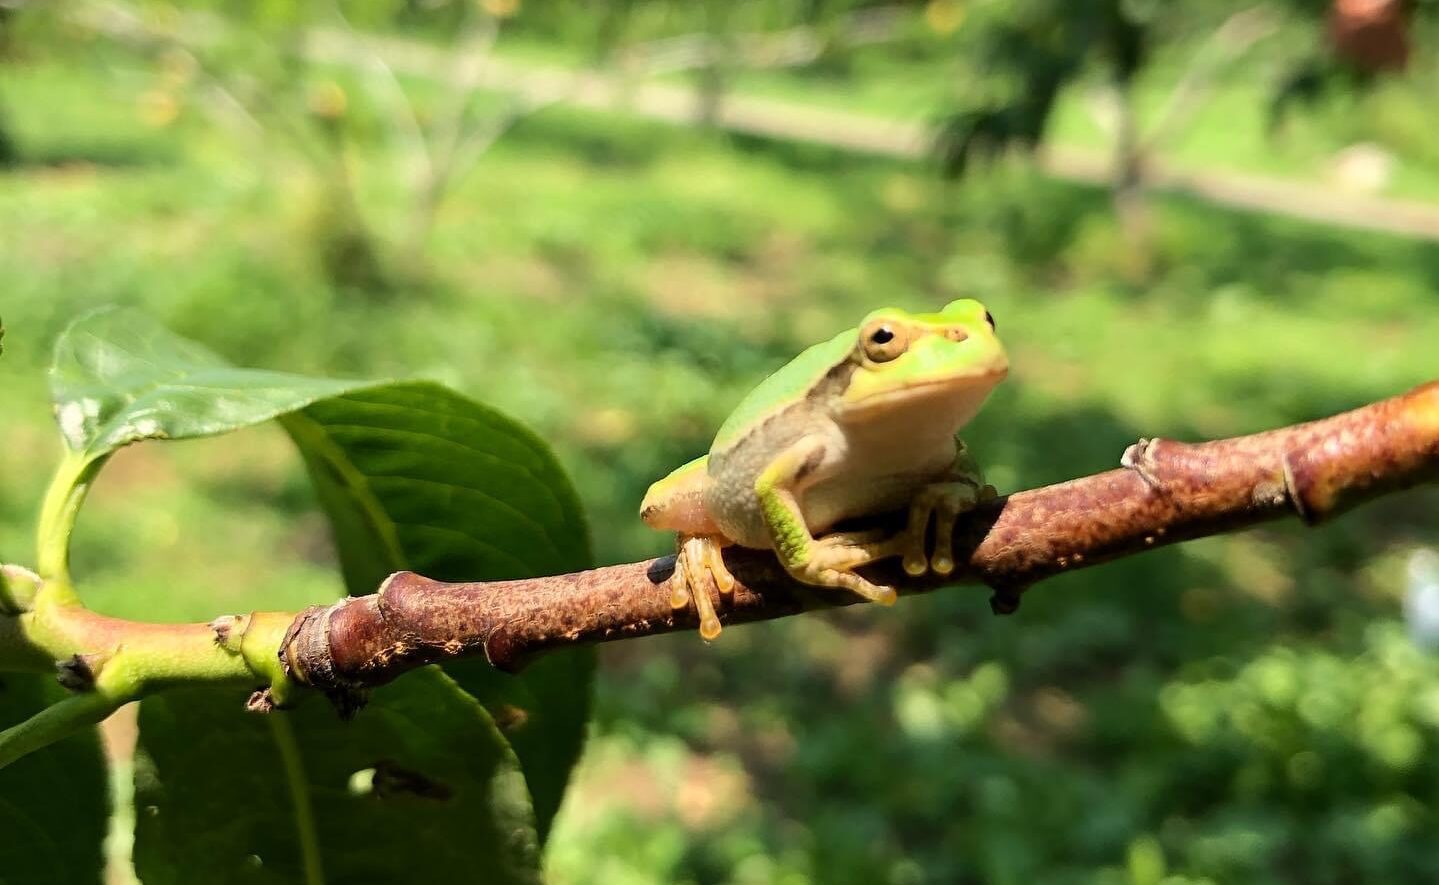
(823, 563)
(850, 550)
(834, 557)
(698, 564)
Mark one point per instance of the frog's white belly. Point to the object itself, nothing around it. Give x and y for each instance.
(865, 468)
(844, 497)
(843, 489)
(876, 468)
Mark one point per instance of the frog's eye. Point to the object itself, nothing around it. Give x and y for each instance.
(882, 342)
(989, 318)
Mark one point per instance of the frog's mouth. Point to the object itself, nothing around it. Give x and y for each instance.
(955, 398)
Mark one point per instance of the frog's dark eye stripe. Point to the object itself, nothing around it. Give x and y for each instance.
(989, 318)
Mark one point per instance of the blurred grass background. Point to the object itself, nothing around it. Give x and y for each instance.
(1239, 709)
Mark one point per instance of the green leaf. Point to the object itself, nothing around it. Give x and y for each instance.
(411, 475)
(415, 476)
(419, 787)
(118, 377)
(54, 806)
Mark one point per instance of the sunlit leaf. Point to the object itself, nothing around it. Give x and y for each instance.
(415, 476)
(119, 377)
(411, 474)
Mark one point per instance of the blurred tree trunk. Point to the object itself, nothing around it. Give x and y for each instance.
(9, 153)
(709, 91)
(1129, 49)
(1127, 186)
(1133, 145)
(712, 76)
(350, 255)
(1371, 35)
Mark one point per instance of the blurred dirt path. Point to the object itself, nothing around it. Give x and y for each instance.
(542, 84)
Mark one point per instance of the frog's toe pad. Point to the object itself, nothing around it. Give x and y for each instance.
(915, 563)
(942, 503)
(710, 628)
(679, 591)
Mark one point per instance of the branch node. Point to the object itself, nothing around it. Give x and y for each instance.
(78, 672)
(261, 701)
(1140, 458)
(1292, 493)
(297, 652)
(306, 658)
(230, 631)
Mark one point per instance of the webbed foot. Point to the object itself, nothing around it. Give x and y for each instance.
(834, 558)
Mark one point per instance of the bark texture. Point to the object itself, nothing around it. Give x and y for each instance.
(1165, 492)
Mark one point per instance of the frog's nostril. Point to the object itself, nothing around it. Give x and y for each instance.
(955, 333)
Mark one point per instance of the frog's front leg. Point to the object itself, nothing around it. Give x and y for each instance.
(943, 502)
(829, 562)
(699, 562)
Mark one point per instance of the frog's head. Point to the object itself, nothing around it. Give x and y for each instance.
(948, 360)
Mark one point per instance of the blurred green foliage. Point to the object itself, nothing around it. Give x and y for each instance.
(1236, 709)
(55, 806)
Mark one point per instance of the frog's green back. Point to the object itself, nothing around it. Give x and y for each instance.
(785, 386)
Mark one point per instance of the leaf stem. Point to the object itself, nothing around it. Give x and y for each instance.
(126, 660)
(294, 767)
(54, 723)
(67, 491)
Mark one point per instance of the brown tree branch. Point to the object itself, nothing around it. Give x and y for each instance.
(1165, 492)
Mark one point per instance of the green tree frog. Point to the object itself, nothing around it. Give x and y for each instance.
(863, 423)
